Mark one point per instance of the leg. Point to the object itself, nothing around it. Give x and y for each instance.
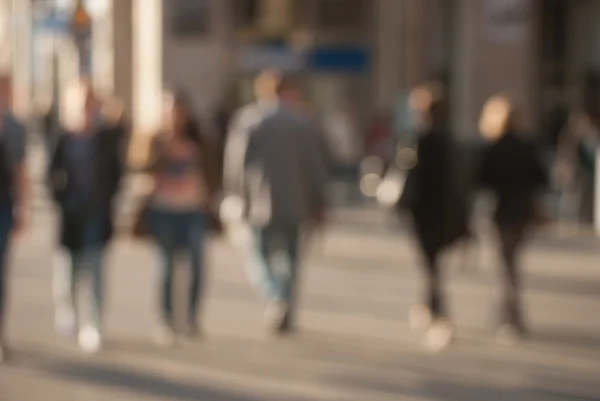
(258, 268)
(5, 227)
(66, 266)
(434, 298)
(4, 240)
(510, 242)
(439, 334)
(94, 258)
(163, 229)
(194, 241)
(290, 285)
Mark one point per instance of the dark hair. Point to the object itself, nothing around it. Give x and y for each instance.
(286, 83)
(437, 108)
(192, 129)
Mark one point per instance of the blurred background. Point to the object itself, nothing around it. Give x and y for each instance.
(356, 62)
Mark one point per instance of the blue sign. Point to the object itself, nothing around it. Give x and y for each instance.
(339, 59)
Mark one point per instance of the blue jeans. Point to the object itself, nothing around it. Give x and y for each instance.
(6, 220)
(87, 260)
(273, 266)
(179, 231)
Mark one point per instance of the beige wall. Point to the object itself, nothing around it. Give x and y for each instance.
(21, 56)
(401, 58)
(200, 64)
(484, 67)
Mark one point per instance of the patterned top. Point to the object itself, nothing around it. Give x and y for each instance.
(179, 182)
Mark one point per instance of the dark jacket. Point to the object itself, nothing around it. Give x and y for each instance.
(276, 163)
(435, 194)
(512, 171)
(107, 169)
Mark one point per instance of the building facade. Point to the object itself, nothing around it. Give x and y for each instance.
(360, 53)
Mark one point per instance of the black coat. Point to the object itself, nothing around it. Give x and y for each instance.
(107, 170)
(435, 194)
(512, 171)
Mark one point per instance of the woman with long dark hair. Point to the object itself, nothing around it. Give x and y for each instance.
(512, 171)
(186, 181)
(438, 205)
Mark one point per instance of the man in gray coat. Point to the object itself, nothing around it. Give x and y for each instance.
(275, 164)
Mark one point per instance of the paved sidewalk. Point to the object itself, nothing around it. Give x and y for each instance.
(354, 344)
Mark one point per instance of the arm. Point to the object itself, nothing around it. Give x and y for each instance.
(235, 156)
(317, 169)
(21, 177)
(56, 176)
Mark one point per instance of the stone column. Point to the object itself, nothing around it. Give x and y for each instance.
(147, 74)
(122, 44)
(21, 56)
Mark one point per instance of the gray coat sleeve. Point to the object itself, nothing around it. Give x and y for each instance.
(235, 154)
(317, 167)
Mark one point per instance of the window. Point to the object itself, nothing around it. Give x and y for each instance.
(246, 13)
(271, 18)
(343, 15)
(190, 17)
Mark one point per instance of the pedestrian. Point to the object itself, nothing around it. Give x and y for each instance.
(84, 176)
(275, 165)
(185, 170)
(438, 205)
(512, 172)
(14, 191)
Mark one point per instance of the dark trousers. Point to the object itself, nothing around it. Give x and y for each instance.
(5, 228)
(434, 298)
(273, 266)
(179, 231)
(85, 260)
(511, 240)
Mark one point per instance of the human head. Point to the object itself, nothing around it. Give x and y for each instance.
(267, 85)
(429, 104)
(178, 115)
(82, 106)
(113, 110)
(500, 115)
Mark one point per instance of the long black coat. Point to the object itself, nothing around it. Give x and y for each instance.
(435, 194)
(512, 170)
(108, 166)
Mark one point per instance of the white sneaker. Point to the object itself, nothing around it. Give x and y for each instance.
(90, 340)
(65, 322)
(165, 336)
(439, 336)
(419, 317)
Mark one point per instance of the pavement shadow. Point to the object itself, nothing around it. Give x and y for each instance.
(433, 389)
(588, 342)
(115, 377)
